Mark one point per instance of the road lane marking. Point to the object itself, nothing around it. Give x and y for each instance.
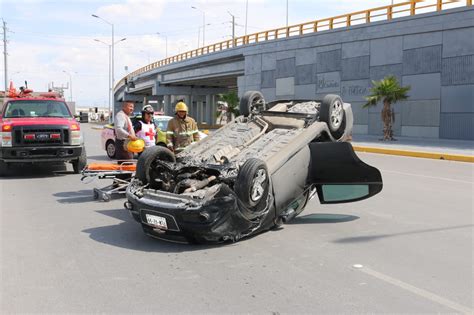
(427, 176)
(420, 292)
(418, 154)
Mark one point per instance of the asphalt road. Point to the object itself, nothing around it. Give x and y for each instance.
(407, 250)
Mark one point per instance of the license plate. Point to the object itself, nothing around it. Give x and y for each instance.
(156, 221)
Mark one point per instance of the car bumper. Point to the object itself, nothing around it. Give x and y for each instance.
(40, 154)
(216, 220)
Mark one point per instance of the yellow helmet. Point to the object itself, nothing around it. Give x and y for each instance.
(136, 146)
(181, 107)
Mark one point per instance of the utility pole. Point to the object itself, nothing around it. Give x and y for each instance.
(5, 63)
(246, 15)
(233, 28)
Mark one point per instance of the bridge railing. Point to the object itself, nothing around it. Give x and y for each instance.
(386, 13)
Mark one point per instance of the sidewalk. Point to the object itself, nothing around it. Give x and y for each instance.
(444, 149)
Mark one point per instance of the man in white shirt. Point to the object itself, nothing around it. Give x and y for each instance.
(124, 131)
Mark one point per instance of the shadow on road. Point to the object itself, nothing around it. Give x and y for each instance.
(321, 218)
(128, 234)
(77, 196)
(27, 171)
(370, 238)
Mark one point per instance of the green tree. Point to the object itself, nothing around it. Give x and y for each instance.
(232, 101)
(389, 91)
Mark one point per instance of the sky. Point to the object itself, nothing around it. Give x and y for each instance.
(54, 41)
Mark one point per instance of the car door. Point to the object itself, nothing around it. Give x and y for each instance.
(339, 175)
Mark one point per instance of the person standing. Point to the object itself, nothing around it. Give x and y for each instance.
(145, 128)
(124, 131)
(182, 129)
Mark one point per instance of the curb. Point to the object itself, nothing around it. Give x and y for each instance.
(426, 155)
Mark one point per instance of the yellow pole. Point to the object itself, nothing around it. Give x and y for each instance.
(439, 5)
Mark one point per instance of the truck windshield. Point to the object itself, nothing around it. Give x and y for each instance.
(36, 108)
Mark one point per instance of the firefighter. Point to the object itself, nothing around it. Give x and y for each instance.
(182, 129)
(145, 128)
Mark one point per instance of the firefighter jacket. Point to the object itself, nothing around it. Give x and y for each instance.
(182, 132)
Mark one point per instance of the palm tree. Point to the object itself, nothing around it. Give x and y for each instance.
(389, 90)
(232, 101)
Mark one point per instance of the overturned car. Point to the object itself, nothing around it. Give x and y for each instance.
(255, 173)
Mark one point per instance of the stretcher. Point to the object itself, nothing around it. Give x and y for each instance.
(120, 174)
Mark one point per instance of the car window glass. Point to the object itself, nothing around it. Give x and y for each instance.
(344, 192)
(161, 122)
(34, 108)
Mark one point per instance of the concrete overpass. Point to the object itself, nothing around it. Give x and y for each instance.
(432, 52)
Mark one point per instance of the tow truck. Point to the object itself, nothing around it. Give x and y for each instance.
(39, 128)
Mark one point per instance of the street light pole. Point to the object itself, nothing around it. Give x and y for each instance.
(203, 25)
(246, 15)
(233, 27)
(70, 84)
(199, 33)
(286, 13)
(110, 72)
(112, 58)
(166, 41)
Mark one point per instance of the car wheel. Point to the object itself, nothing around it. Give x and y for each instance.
(147, 159)
(252, 186)
(332, 113)
(251, 103)
(110, 148)
(79, 164)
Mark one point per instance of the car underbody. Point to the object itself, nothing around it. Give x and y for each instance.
(232, 183)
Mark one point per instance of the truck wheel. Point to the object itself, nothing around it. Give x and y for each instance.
(145, 163)
(252, 186)
(110, 148)
(251, 103)
(79, 164)
(332, 113)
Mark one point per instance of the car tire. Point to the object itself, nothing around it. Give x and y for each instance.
(79, 164)
(147, 158)
(251, 103)
(332, 113)
(110, 148)
(252, 186)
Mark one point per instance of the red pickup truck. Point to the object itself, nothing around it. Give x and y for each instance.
(39, 129)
